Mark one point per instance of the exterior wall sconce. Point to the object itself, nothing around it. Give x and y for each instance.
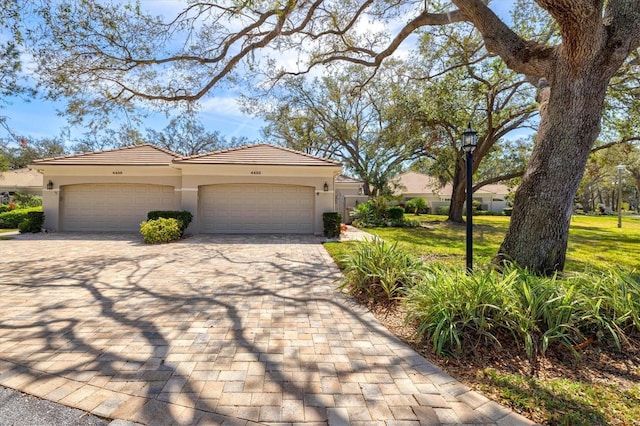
(326, 187)
(50, 185)
(360, 191)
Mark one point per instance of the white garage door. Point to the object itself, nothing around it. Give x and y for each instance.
(257, 208)
(112, 207)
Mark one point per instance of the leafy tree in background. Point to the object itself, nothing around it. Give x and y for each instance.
(337, 117)
(12, 83)
(470, 87)
(119, 55)
(18, 156)
(186, 135)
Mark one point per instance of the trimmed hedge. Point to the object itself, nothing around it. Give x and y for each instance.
(331, 222)
(184, 217)
(160, 230)
(13, 218)
(33, 223)
(395, 213)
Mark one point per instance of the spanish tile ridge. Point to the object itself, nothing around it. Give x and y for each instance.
(263, 144)
(122, 148)
(219, 151)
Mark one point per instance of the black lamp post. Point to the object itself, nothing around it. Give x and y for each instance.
(469, 143)
(620, 168)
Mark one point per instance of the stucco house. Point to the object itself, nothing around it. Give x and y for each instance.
(251, 189)
(413, 185)
(26, 181)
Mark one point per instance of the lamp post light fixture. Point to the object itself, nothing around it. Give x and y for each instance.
(50, 185)
(620, 168)
(469, 143)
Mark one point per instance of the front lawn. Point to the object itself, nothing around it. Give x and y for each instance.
(594, 241)
(600, 386)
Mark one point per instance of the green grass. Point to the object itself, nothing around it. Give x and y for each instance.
(560, 401)
(595, 242)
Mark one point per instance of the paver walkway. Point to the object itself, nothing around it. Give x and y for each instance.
(210, 330)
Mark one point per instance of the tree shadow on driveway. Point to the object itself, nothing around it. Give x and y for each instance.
(209, 329)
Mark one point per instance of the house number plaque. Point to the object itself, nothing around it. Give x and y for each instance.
(116, 172)
(256, 172)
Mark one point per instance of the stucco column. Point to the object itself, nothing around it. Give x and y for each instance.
(189, 202)
(325, 202)
(51, 208)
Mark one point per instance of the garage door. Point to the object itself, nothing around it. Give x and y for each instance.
(257, 208)
(112, 207)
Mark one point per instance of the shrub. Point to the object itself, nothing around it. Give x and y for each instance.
(27, 200)
(4, 208)
(184, 217)
(417, 205)
(33, 223)
(395, 213)
(379, 271)
(507, 211)
(331, 222)
(160, 230)
(452, 308)
(456, 310)
(13, 218)
(365, 216)
(442, 210)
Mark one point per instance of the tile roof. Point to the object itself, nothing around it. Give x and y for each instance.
(417, 183)
(259, 154)
(137, 155)
(21, 178)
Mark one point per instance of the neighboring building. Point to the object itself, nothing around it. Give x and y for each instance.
(251, 189)
(349, 193)
(26, 181)
(413, 185)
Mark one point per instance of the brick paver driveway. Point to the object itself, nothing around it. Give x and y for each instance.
(210, 330)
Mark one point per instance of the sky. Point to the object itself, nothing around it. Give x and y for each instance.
(39, 118)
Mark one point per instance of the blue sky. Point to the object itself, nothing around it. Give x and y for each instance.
(38, 118)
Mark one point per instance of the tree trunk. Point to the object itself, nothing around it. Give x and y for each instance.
(458, 194)
(570, 112)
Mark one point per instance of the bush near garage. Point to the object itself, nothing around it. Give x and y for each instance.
(184, 217)
(331, 222)
(33, 223)
(161, 230)
(13, 218)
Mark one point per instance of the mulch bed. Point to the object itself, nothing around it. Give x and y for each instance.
(594, 365)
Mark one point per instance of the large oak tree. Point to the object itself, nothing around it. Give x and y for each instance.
(366, 127)
(101, 55)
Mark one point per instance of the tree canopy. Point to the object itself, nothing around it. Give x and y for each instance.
(366, 127)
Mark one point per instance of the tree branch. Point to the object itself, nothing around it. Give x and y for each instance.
(497, 179)
(526, 57)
